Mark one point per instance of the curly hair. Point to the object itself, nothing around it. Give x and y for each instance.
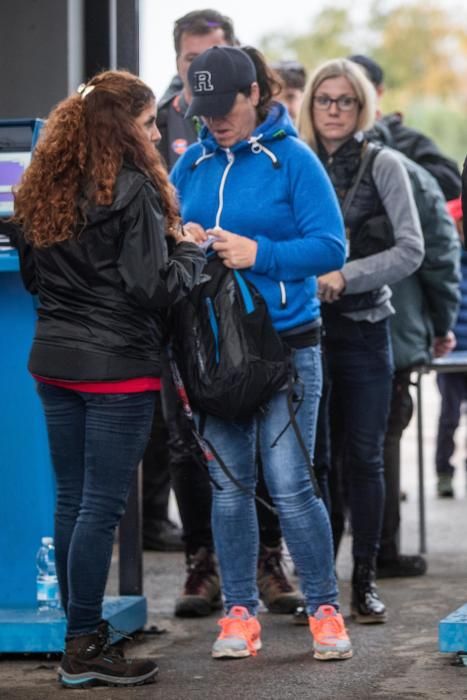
(79, 155)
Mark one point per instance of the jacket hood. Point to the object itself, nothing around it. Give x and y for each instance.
(276, 126)
(128, 184)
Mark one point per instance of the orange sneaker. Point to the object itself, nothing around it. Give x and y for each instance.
(330, 638)
(240, 635)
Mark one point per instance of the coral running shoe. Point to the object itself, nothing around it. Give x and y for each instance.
(240, 635)
(330, 638)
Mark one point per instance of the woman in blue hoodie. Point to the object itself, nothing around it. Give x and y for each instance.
(263, 194)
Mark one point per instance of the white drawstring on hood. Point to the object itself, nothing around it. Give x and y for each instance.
(257, 147)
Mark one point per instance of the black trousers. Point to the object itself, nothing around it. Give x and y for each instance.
(399, 418)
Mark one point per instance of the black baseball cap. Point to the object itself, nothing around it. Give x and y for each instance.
(373, 69)
(216, 77)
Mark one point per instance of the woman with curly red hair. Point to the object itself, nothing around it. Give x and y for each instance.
(94, 209)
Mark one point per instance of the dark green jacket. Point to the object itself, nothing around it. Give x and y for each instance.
(427, 301)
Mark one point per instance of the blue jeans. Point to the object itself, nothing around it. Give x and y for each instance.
(303, 516)
(96, 442)
(360, 364)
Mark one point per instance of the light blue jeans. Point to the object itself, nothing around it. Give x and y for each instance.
(303, 516)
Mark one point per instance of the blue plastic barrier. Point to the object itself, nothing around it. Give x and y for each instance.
(452, 631)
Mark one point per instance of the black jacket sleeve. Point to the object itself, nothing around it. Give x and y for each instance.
(149, 274)
(25, 253)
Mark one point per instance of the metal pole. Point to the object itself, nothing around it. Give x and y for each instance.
(130, 561)
(421, 472)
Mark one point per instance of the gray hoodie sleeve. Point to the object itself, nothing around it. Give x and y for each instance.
(399, 261)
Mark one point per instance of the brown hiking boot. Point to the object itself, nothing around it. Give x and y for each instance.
(89, 660)
(275, 590)
(201, 592)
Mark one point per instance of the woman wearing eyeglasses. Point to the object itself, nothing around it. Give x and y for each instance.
(384, 245)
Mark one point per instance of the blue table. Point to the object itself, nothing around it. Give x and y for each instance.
(455, 361)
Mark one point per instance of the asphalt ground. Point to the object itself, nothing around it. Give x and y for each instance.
(399, 659)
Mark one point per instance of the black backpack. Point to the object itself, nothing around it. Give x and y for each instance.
(230, 357)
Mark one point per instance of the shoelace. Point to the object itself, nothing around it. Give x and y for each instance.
(232, 625)
(330, 626)
(107, 648)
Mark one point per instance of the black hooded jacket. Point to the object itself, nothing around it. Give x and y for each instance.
(103, 294)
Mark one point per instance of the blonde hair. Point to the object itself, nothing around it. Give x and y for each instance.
(364, 91)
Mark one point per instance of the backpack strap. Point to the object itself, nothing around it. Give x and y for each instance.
(207, 448)
(370, 152)
(292, 397)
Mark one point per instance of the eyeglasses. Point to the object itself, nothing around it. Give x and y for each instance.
(344, 102)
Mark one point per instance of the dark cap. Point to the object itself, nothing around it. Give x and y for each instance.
(373, 69)
(216, 77)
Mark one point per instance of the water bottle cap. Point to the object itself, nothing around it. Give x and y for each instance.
(47, 540)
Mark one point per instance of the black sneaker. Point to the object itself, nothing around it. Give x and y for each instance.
(202, 591)
(300, 616)
(402, 566)
(89, 660)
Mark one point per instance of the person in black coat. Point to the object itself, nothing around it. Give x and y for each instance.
(93, 211)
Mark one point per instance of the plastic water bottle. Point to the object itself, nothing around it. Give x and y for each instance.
(48, 595)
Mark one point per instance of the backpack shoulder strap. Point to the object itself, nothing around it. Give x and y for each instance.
(370, 152)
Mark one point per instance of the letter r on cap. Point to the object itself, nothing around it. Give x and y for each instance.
(203, 81)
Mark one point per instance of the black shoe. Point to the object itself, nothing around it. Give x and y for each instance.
(202, 591)
(366, 606)
(403, 565)
(89, 660)
(162, 536)
(300, 616)
(444, 487)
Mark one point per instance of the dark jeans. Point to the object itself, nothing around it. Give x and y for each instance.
(96, 442)
(399, 418)
(453, 389)
(360, 369)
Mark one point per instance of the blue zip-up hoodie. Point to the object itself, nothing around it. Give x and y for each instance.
(273, 189)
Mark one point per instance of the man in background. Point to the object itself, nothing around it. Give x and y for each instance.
(193, 34)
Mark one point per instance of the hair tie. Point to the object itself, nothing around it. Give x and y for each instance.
(84, 90)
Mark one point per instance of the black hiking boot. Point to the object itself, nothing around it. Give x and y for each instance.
(366, 606)
(201, 592)
(89, 660)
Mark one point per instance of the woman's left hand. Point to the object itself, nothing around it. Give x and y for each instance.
(331, 286)
(237, 252)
